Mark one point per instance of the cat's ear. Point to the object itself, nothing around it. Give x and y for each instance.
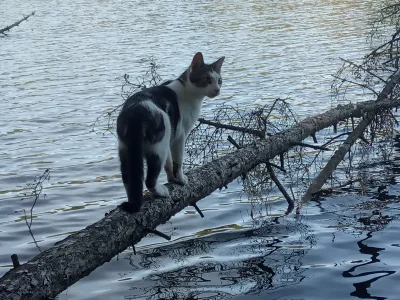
(218, 64)
(197, 60)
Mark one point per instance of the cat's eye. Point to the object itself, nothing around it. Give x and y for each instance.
(207, 79)
(220, 81)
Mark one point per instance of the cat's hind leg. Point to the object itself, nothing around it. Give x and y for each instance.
(169, 169)
(156, 158)
(177, 150)
(124, 166)
(154, 164)
(133, 185)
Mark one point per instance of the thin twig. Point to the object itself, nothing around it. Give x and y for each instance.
(281, 188)
(232, 127)
(394, 118)
(312, 146)
(282, 160)
(160, 234)
(276, 166)
(334, 138)
(233, 142)
(330, 189)
(36, 187)
(2, 31)
(356, 83)
(374, 52)
(362, 137)
(198, 210)
(364, 69)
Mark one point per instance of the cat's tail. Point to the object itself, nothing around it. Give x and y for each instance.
(130, 130)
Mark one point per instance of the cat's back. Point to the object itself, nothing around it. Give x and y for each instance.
(152, 102)
(161, 95)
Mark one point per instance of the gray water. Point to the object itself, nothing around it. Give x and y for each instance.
(59, 71)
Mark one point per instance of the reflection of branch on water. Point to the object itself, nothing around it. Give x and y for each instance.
(261, 259)
(361, 287)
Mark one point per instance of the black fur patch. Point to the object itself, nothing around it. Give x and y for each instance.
(166, 82)
(153, 170)
(182, 79)
(200, 76)
(164, 98)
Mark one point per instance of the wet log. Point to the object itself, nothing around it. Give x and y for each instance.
(60, 266)
(2, 31)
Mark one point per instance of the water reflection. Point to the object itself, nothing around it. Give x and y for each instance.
(363, 286)
(224, 264)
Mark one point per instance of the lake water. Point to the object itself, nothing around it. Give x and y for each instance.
(59, 71)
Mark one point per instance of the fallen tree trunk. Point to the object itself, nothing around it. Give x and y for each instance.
(16, 23)
(60, 266)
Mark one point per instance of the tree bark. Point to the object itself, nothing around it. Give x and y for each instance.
(60, 266)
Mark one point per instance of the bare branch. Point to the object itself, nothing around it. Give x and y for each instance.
(364, 69)
(357, 83)
(334, 138)
(2, 31)
(281, 188)
(232, 127)
(36, 187)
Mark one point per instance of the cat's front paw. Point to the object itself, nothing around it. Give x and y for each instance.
(160, 191)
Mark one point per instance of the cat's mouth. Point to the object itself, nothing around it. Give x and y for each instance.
(213, 94)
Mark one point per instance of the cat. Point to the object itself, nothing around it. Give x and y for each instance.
(153, 125)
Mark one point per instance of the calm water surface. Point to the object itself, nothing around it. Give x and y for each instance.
(58, 73)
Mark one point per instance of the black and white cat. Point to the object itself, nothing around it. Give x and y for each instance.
(154, 124)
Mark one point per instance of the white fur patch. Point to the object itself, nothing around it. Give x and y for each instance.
(190, 99)
(215, 75)
(160, 190)
(161, 148)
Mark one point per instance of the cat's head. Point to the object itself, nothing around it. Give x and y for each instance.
(203, 78)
